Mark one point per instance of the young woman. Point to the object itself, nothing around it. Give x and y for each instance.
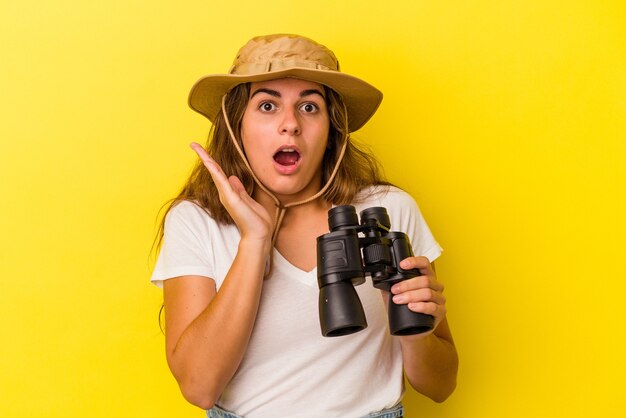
(238, 255)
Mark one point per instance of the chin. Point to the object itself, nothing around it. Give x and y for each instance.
(292, 191)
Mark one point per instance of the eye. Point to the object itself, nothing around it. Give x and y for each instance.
(267, 107)
(309, 107)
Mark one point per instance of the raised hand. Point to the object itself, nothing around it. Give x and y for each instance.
(252, 219)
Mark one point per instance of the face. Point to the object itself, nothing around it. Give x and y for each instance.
(284, 133)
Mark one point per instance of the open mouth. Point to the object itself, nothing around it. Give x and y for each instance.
(287, 156)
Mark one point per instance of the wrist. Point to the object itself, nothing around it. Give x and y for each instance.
(255, 246)
(425, 338)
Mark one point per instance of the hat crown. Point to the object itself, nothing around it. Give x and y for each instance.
(264, 54)
(278, 56)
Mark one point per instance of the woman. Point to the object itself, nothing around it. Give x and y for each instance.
(238, 254)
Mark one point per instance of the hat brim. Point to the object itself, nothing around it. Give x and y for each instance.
(361, 98)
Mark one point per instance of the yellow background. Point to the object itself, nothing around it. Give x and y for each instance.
(505, 119)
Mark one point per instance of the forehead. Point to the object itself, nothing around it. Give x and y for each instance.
(286, 84)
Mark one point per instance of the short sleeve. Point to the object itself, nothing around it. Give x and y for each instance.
(185, 250)
(406, 217)
(413, 223)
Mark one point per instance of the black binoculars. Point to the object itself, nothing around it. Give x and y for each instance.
(340, 267)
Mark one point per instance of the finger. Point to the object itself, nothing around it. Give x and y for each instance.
(236, 184)
(420, 295)
(216, 172)
(429, 308)
(421, 263)
(209, 162)
(419, 282)
(204, 156)
(241, 191)
(239, 188)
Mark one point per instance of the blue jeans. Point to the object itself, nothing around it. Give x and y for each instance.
(394, 412)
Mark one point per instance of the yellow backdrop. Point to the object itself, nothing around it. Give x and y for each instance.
(505, 119)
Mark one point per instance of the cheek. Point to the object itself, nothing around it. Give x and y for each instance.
(323, 138)
(257, 149)
(252, 137)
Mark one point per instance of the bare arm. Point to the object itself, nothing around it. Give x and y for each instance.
(430, 359)
(207, 332)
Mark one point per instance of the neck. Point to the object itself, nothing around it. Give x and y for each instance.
(303, 214)
(308, 192)
(301, 209)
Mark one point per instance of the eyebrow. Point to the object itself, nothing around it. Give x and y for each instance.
(275, 93)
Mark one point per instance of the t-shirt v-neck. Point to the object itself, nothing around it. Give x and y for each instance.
(283, 265)
(307, 277)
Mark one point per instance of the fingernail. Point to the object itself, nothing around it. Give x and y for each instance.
(399, 298)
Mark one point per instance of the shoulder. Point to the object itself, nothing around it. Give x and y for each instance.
(187, 216)
(188, 248)
(385, 195)
(186, 208)
(404, 212)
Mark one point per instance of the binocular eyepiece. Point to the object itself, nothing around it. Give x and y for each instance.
(343, 260)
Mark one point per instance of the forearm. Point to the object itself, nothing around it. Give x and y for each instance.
(431, 362)
(210, 349)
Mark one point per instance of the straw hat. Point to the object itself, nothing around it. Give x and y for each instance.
(276, 56)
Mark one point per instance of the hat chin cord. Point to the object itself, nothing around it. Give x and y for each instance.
(279, 214)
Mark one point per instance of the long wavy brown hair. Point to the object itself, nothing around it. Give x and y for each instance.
(357, 170)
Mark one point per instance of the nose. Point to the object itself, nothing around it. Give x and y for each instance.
(290, 124)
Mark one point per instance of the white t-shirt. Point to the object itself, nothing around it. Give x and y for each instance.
(290, 369)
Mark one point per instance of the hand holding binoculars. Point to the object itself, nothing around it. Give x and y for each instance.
(341, 266)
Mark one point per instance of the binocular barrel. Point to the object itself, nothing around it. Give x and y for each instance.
(341, 267)
(339, 270)
(402, 320)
